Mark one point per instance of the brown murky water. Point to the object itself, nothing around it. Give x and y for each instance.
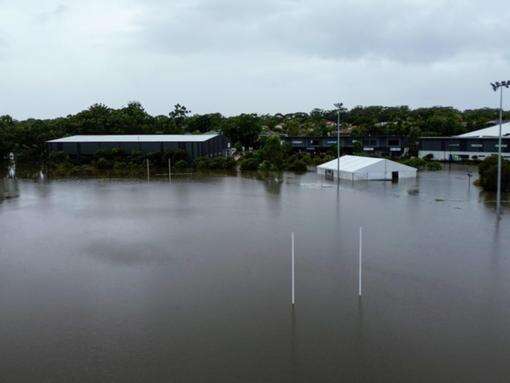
(189, 281)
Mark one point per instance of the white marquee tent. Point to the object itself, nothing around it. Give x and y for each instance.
(366, 168)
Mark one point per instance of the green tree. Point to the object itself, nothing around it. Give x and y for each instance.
(7, 140)
(273, 152)
(488, 170)
(179, 115)
(205, 122)
(243, 129)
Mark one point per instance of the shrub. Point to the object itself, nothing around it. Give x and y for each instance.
(415, 162)
(265, 166)
(229, 163)
(298, 166)
(433, 166)
(119, 167)
(216, 163)
(249, 164)
(62, 169)
(103, 164)
(307, 159)
(58, 157)
(202, 163)
(181, 164)
(429, 157)
(488, 170)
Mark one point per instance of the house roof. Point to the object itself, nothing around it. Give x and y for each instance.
(137, 138)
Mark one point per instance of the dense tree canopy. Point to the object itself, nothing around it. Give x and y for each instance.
(26, 138)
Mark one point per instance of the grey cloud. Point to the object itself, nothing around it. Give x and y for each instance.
(234, 56)
(45, 16)
(3, 46)
(403, 31)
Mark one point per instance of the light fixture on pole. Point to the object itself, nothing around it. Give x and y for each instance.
(495, 86)
(339, 107)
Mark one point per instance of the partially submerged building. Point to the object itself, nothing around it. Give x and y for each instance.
(195, 145)
(476, 145)
(357, 168)
(389, 145)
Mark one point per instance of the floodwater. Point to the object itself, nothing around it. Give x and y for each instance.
(189, 281)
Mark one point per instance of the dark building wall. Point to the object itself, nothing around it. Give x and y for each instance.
(458, 148)
(215, 146)
(387, 144)
(483, 145)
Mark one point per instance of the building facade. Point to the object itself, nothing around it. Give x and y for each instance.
(200, 145)
(462, 148)
(394, 146)
(476, 145)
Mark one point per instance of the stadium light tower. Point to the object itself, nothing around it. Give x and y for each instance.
(495, 86)
(339, 107)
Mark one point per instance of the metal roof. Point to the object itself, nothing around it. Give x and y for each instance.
(137, 138)
(354, 164)
(492, 131)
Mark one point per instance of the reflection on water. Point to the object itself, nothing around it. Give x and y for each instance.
(8, 188)
(189, 280)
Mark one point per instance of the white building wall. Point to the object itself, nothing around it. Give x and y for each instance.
(441, 155)
(374, 172)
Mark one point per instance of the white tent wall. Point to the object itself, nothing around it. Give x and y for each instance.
(366, 168)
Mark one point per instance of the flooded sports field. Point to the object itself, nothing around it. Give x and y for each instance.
(189, 280)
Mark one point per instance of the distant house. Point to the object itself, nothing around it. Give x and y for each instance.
(195, 145)
(358, 168)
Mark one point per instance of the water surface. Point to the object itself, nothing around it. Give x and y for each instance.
(189, 281)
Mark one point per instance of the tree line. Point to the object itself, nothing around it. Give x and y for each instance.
(26, 138)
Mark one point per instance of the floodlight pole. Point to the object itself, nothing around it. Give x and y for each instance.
(338, 145)
(498, 194)
(339, 109)
(495, 86)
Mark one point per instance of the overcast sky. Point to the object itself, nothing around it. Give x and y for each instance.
(265, 56)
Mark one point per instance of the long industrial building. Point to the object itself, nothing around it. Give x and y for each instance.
(195, 145)
(475, 145)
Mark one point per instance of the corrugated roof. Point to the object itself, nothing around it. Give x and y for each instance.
(354, 164)
(137, 138)
(492, 131)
